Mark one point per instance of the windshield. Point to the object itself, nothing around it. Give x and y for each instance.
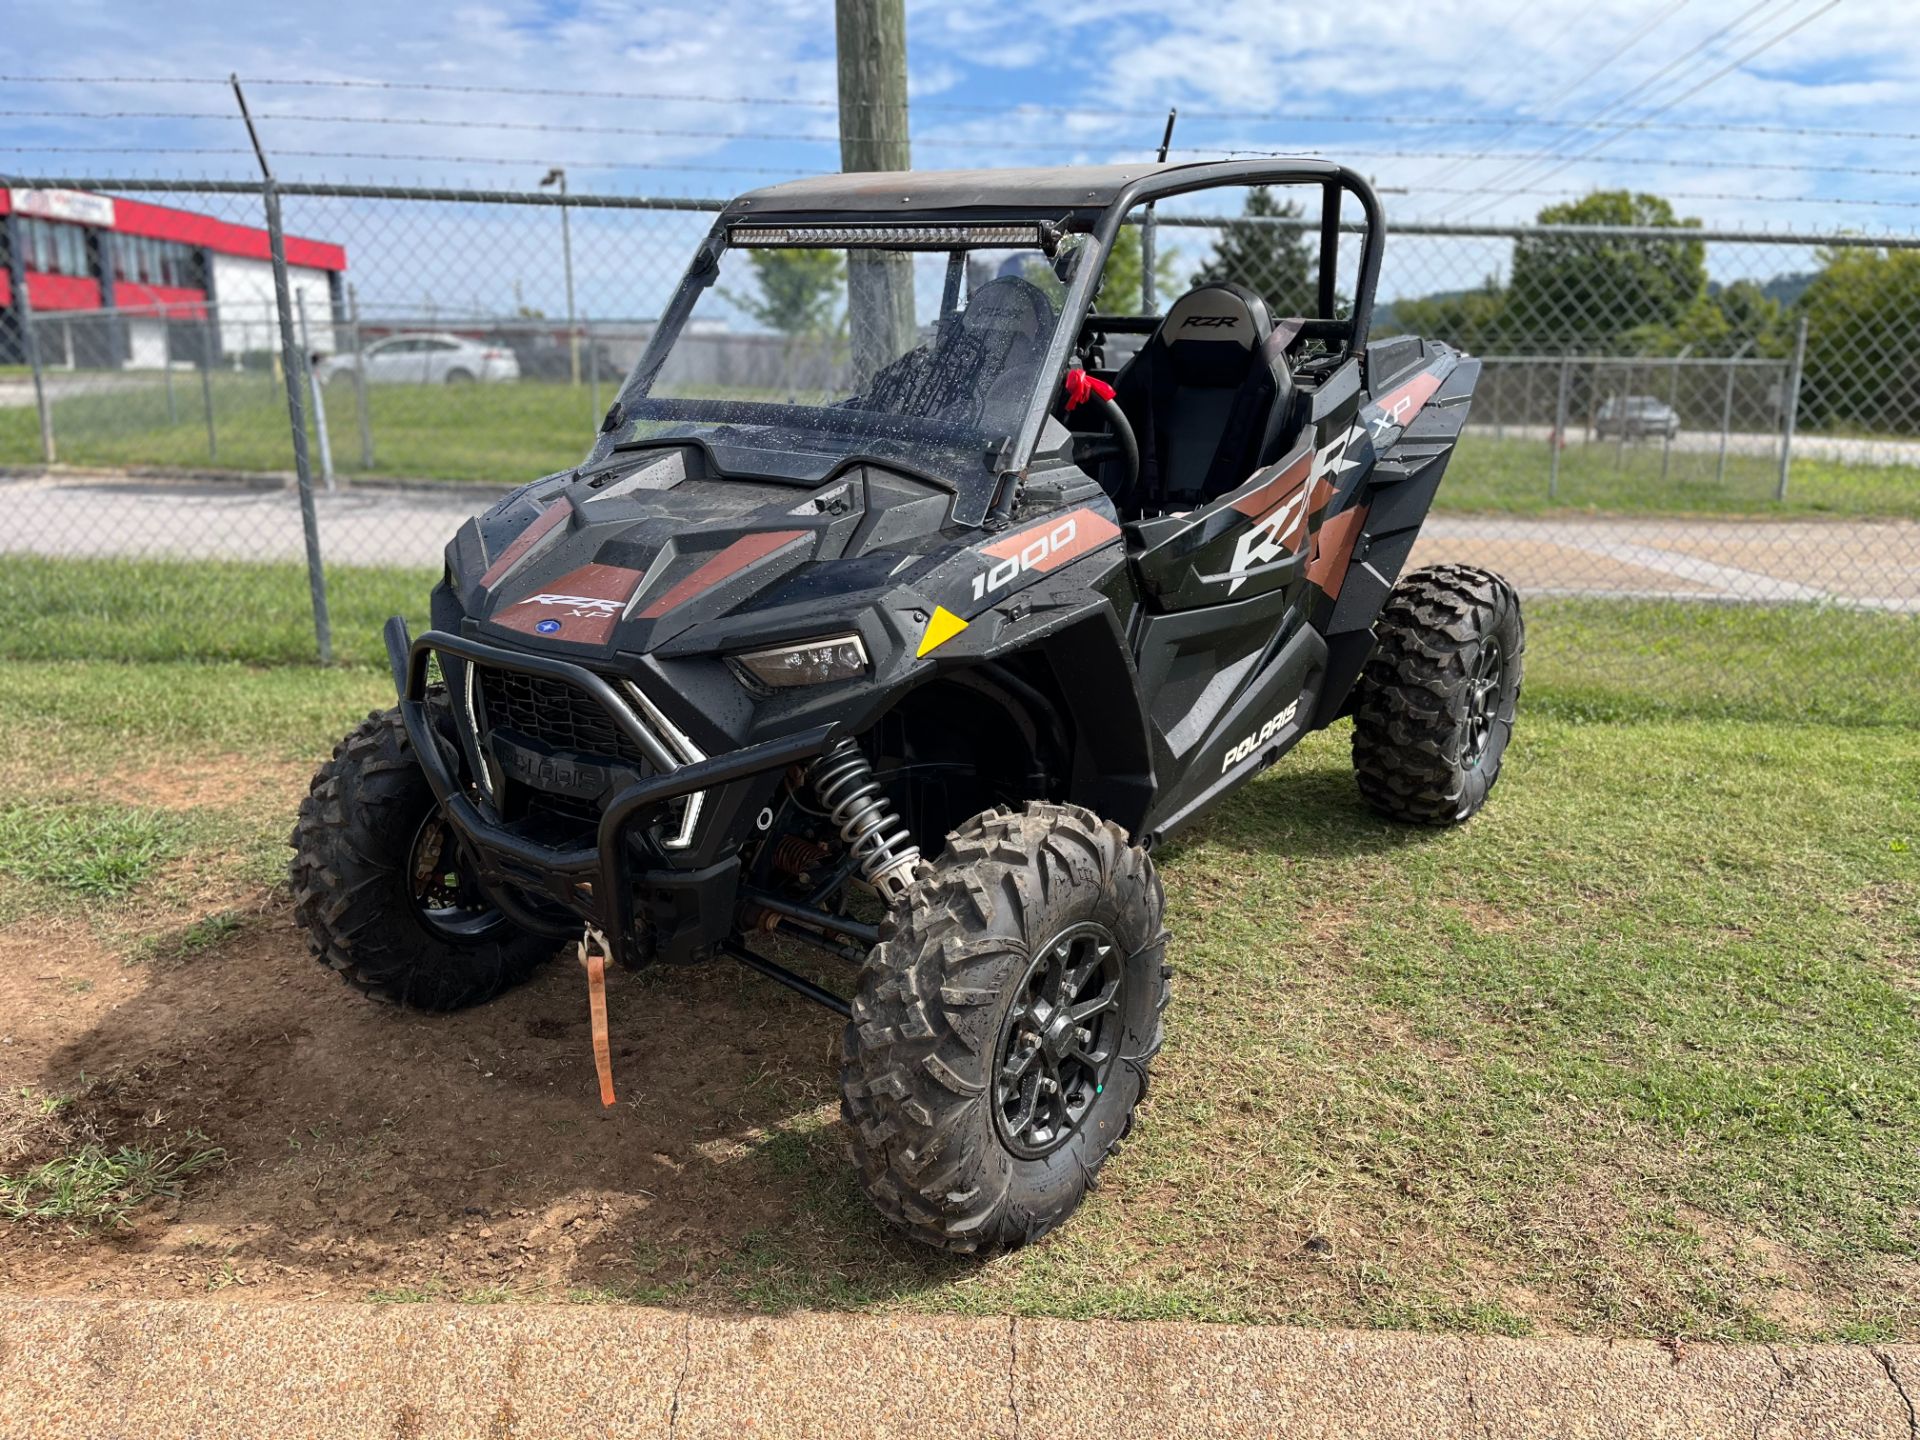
(794, 358)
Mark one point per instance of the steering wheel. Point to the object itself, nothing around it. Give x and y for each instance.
(1118, 443)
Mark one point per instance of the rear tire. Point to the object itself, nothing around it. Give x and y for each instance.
(966, 1012)
(363, 836)
(459, 377)
(1435, 705)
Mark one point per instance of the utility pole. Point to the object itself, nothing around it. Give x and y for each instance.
(557, 176)
(871, 36)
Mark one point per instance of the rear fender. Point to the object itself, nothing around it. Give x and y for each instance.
(1381, 523)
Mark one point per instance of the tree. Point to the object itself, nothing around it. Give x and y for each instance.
(1469, 319)
(1277, 262)
(1863, 340)
(1572, 292)
(799, 290)
(1120, 288)
(1740, 318)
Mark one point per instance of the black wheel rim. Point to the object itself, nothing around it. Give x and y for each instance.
(1483, 700)
(446, 898)
(1059, 1040)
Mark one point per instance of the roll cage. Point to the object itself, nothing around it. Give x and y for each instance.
(1089, 200)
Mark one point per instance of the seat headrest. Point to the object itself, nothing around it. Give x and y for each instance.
(1213, 331)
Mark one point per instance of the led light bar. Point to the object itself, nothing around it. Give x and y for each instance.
(893, 237)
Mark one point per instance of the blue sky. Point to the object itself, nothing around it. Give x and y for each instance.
(1459, 109)
(1008, 82)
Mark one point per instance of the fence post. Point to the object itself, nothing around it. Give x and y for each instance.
(1726, 411)
(360, 380)
(40, 401)
(206, 382)
(1673, 404)
(291, 371)
(1620, 418)
(1557, 441)
(593, 368)
(166, 364)
(1792, 405)
(319, 401)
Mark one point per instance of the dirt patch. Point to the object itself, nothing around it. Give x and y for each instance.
(217, 782)
(370, 1149)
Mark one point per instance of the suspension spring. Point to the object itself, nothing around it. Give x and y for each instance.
(881, 845)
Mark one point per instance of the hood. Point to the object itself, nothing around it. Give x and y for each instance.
(629, 559)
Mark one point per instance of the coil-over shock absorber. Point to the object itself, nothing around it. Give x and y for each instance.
(881, 845)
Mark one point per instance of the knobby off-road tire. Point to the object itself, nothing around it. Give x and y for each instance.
(1436, 701)
(961, 967)
(355, 891)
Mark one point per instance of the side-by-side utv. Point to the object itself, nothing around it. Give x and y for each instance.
(893, 614)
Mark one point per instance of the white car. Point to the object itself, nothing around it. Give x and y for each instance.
(423, 359)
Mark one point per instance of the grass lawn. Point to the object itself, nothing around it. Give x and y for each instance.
(509, 433)
(1633, 1053)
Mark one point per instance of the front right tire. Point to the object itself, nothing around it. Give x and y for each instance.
(382, 890)
(1004, 1027)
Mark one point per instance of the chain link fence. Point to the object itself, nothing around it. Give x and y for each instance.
(1676, 429)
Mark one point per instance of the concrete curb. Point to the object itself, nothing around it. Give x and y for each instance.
(210, 1370)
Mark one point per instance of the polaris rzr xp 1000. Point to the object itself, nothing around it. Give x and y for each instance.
(906, 600)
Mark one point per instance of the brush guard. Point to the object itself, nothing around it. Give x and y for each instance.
(593, 885)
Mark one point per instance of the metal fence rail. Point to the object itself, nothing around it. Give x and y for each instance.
(1667, 415)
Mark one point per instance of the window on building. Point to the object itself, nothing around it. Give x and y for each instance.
(53, 247)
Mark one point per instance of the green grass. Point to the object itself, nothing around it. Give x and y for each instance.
(1512, 476)
(497, 433)
(1632, 1053)
(97, 1186)
(510, 433)
(1598, 657)
(94, 851)
(200, 610)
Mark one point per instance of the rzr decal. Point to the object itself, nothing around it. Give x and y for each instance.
(1043, 547)
(1303, 489)
(586, 604)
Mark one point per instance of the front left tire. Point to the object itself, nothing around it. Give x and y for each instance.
(1004, 1026)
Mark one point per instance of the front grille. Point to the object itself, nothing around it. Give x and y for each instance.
(555, 714)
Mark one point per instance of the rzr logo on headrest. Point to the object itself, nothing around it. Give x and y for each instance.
(1225, 322)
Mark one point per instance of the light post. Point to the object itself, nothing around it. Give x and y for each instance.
(557, 176)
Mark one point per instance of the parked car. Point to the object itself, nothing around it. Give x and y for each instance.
(542, 357)
(1636, 417)
(436, 359)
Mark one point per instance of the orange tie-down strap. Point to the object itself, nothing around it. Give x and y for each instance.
(593, 956)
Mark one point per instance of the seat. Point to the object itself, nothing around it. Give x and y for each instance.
(1210, 397)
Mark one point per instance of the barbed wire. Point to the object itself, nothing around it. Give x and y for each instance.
(958, 143)
(1187, 115)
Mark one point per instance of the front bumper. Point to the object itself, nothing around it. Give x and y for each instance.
(594, 885)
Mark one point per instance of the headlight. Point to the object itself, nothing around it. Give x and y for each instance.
(806, 662)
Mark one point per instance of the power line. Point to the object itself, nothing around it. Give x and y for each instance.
(1614, 104)
(1573, 86)
(1679, 99)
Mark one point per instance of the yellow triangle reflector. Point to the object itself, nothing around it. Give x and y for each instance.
(941, 628)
